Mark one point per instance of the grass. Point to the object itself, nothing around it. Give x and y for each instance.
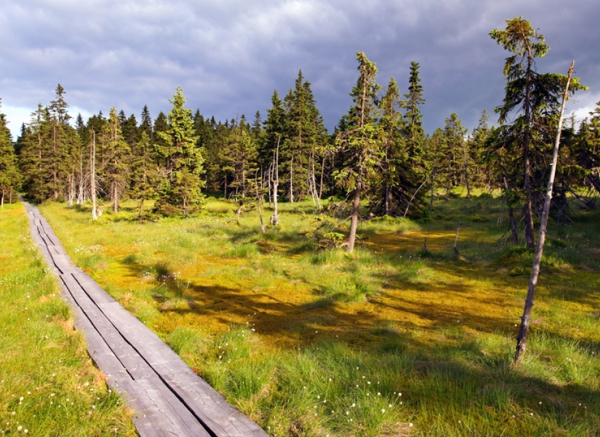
(308, 340)
(48, 385)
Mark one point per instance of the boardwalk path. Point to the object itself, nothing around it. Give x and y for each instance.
(169, 399)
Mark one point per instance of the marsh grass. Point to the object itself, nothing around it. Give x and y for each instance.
(313, 341)
(48, 385)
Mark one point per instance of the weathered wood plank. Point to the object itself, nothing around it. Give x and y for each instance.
(93, 290)
(170, 399)
(145, 341)
(211, 408)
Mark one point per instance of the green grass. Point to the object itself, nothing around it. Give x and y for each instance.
(311, 341)
(48, 385)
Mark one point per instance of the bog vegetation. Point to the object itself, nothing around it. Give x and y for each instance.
(48, 385)
(318, 275)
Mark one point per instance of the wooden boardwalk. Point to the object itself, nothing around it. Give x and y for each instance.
(168, 398)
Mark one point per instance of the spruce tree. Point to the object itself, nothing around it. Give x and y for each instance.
(533, 97)
(182, 160)
(360, 143)
(9, 172)
(117, 155)
(413, 128)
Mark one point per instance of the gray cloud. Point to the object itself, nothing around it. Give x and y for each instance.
(229, 56)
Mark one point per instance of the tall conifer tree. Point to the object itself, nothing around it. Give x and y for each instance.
(182, 159)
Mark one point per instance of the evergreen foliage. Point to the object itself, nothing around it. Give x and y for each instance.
(9, 174)
(180, 159)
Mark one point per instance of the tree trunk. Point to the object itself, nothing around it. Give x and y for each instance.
(528, 208)
(275, 216)
(93, 175)
(259, 207)
(432, 188)
(535, 269)
(386, 194)
(81, 181)
(321, 183)
(413, 198)
(115, 194)
(55, 163)
(354, 216)
(292, 180)
(456, 240)
(2, 202)
(466, 165)
(141, 210)
(71, 188)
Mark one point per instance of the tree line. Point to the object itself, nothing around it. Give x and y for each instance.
(378, 154)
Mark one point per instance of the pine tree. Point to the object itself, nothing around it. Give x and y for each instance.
(32, 150)
(9, 172)
(534, 98)
(182, 160)
(60, 159)
(413, 130)
(144, 172)
(146, 122)
(454, 161)
(360, 142)
(393, 145)
(117, 155)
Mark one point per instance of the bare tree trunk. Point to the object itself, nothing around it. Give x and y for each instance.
(456, 240)
(432, 188)
(413, 198)
(71, 194)
(387, 198)
(115, 196)
(2, 202)
(354, 216)
(466, 166)
(321, 183)
(292, 180)
(93, 175)
(269, 186)
(535, 269)
(55, 163)
(81, 180)
(275, 216)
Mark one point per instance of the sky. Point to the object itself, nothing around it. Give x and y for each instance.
(230, 55)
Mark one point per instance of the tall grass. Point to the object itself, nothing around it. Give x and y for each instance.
(48, 385)
(313, 341)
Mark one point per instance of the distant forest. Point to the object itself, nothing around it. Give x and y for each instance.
(378, 156)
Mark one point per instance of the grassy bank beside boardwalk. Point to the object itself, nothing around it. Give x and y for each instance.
(48, 385)
(392, 340)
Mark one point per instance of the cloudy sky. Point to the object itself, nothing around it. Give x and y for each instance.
(229, 55)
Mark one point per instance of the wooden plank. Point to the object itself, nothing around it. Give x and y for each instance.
(147, 418)
(181, 412)
(159, 402)
(92, 289)
(169, 397)
(211, 408)
(141, 338)
(136, 366)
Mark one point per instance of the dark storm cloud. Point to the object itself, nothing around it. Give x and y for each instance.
(229, 56)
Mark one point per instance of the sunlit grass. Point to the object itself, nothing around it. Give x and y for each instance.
(48, 385)
(280, 324)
